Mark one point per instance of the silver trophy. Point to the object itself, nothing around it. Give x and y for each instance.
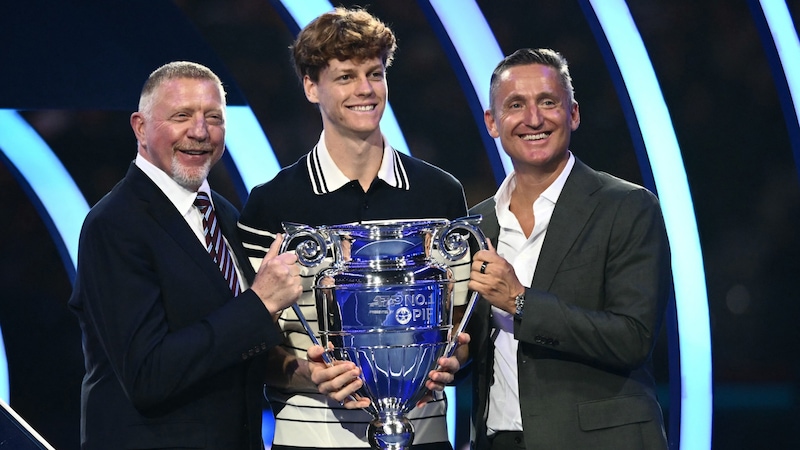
(386, 303)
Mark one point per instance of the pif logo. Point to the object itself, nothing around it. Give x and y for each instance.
(402, 315)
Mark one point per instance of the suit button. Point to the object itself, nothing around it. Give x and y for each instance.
(244, 355)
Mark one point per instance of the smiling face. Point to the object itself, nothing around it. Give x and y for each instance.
(182, 130)
(351, 96)
(533, 117)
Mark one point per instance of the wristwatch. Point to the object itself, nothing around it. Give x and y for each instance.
(519, 303)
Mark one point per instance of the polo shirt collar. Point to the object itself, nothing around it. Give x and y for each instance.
(326, 177)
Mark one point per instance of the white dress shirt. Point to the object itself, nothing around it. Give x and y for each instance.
(523, 254)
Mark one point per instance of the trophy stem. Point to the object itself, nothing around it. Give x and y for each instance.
(390, 431)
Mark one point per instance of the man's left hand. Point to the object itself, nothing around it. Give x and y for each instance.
(445, 373)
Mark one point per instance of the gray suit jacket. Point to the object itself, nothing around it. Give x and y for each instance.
(591, 319)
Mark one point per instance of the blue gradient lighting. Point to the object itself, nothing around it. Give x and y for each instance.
(248, 147)
(63, 203)
(670, 177)
(785, 36)
(5, 390)
(777, 29)
(303, 12)
(476, 47)
(47, 177)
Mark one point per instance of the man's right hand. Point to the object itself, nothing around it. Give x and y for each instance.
(277, 282)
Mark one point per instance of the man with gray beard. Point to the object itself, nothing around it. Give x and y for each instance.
(175, 320)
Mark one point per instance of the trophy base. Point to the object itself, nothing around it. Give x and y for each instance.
(390, 432)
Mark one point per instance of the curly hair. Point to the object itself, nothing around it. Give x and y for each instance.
(342, 34)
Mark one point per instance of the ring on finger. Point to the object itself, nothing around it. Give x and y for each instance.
(483, 266)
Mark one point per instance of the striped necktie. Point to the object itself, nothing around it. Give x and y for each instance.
(215, 244)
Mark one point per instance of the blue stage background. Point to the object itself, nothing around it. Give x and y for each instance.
(73, 70)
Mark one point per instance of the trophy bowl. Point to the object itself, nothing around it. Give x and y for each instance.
(386, 304)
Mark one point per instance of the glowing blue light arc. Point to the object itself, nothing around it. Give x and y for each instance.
(786, 42)
(50, 187)
(477, 49)
(670, 176)
(783, 54)
(5, 389)
(249, 147)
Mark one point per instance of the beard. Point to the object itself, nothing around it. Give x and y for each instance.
(189, 177)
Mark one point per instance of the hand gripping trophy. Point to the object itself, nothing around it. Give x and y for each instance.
(386, 303)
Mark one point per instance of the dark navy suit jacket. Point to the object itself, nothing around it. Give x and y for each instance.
(591, 319)
(172, 359)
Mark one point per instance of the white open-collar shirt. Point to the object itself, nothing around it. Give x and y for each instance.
(523, 254)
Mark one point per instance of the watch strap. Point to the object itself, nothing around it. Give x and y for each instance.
(519, 303)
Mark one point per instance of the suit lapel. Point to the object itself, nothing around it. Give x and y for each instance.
(163, 212)
(571, 214)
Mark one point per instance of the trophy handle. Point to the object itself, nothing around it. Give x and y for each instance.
(454, 246)
(310, 252)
